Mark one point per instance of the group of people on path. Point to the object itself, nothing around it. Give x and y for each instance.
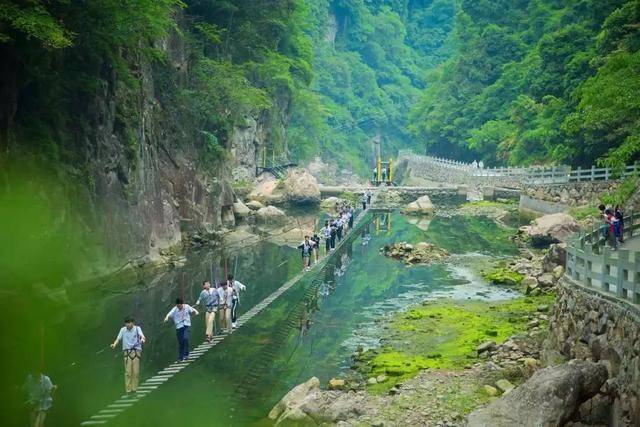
(334, 230)
(220, 301)
(612, 230)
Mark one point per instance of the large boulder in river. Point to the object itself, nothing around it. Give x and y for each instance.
(240, 209)
(422, 206)
(549, 229)
(289, 405)
(271, 216)
(331, 203)
(549, 398)
(300, 187)
(267, 190)
(307, 405)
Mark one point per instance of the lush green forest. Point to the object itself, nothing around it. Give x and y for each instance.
(234, 58)
(369, 65)
(537, 81)
(515, 82)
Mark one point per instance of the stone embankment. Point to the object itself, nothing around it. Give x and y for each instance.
(571, 194)
(588, 326)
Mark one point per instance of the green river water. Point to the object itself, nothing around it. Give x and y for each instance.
(239, 380)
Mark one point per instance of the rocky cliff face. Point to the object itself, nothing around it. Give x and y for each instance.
(139, 169)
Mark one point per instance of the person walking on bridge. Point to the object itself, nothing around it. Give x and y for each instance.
(132, 339)
(339, 227)
(236, 287)
(369, 194)
(39, 388)
(334, 233)
(226, 303)
(181, 315)
(210, 300)
(363, 200)
(306, 248)
(316, 247)
(325, 232)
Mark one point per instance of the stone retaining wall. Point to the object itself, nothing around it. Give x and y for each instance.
(591, 326)
(572, 194)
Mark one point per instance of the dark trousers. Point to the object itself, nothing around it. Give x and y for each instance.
(364, 206)
(339, 232)
(183, 341)
(368, 200)
(327, 244)
(351, 222)
(333, 241)
(234, 308)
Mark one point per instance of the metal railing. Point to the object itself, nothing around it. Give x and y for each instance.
(596, 266)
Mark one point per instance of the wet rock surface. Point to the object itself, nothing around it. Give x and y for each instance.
(420, 253)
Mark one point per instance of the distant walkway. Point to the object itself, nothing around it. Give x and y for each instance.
(124, 402)
(456, 172)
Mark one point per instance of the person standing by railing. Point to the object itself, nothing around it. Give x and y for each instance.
(611, 223)
(619, 224)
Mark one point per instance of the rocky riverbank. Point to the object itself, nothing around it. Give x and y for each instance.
(437, 363)
(476, 363)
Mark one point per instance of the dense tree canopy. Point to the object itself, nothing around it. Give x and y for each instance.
(537, 81)
(515, 82)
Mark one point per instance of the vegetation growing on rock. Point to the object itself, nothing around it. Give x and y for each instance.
(444, 335)
(503, 276)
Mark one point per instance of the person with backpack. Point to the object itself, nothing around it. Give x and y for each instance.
(132, 339)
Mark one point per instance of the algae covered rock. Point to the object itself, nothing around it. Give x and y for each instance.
(420, 253)
(337, 384)
(505, 386)
(503, 276)
(490, 390)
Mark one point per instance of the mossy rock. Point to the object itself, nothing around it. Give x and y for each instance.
(503, 276)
